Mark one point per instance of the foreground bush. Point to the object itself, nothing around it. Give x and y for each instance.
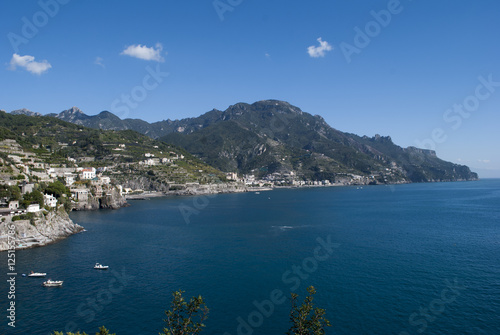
(186, 318)
(183, 317)
(102, 331)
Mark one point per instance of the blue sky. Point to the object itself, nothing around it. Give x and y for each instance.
(426, 73)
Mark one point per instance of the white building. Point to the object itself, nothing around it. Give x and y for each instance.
(87, 173)
(51, 172)
(152, 161)
(69, 178)
(80, 194)
(105, 180)
(50, 200)
(13, 205)
(33, 208)
(249, 179)
(27, 188)
(232, 176)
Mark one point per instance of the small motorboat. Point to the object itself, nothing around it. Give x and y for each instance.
(98, 266)
(36, 274)
(52, 283)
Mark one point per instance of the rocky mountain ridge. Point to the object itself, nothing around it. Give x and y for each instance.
(274, 137)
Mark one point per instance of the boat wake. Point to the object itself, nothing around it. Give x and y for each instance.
(283, 228)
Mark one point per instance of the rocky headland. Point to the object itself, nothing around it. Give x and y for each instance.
(112, 199)
(43, 229)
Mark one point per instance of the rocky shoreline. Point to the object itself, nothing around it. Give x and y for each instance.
(49, 227)
(42, 230)
(216, 189)
(111, 200)
(53, 226)
(199, 190)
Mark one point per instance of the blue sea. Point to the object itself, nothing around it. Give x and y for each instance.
(402, 259)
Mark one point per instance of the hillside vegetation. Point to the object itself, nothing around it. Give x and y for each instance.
(271, 139)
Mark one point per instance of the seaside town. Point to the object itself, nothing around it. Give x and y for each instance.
(250, 167)
(26, 171)
(50, 167)
(36, 193)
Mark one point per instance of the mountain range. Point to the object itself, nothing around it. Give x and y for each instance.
(274, 136)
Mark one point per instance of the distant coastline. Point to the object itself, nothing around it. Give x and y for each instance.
(59, 225)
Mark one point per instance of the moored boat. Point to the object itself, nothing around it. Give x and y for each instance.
(98, 266)
(52, 283)
(36, 274)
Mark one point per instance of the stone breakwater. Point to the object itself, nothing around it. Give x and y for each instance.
(186, 190)
(214, 189)
(42, 230)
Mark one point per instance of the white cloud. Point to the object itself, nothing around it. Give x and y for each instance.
(99, 61)
(28, 62)
(485, 161)
(268, 56)
(143, 52)
(320, 50)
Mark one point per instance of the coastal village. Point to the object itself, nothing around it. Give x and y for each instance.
(35, 192)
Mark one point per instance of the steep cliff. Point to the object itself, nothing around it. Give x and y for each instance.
(111, 199)
(42, 230)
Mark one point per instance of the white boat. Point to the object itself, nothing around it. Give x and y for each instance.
(52, 283)
(98, 266)
(37, 274)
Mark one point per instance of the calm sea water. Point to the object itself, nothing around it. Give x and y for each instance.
(406, 259)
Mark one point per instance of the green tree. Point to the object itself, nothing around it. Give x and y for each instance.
(102, 331)
(305, 319)
(57, 189)
(10, 192)
(33, 197)
(185, 318)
